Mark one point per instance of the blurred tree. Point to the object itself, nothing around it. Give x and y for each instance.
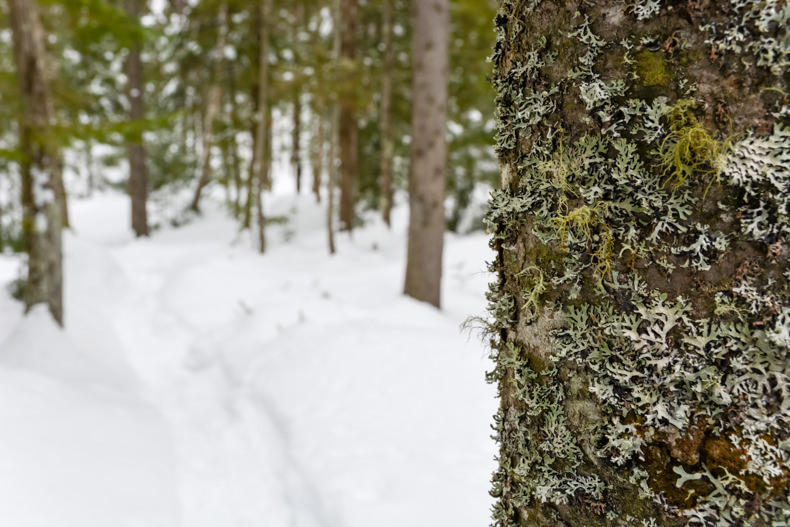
(40, 165)
(429, 151)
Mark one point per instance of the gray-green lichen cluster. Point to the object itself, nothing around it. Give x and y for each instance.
(642, 307)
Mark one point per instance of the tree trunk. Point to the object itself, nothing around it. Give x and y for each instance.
(212, 108)
(387, 145)
(296, 139)
(428, 169)
(261, 139)
(233, 144)
(348, 122)
(318, 156)
(138, 180)
(640, 318)
(41, 166)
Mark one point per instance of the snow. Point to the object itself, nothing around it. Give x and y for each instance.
(200, 384)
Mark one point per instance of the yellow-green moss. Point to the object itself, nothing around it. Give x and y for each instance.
(652, 68)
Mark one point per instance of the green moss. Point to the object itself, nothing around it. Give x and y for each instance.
(690, 149)
(652, 68)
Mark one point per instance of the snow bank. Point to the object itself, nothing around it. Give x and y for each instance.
(77, 447)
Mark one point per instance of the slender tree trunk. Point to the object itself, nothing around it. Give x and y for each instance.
(261, 135)
(232, 140)
(387, 145)
(318, 157)
(296, 138)
(212, 107)
(641, 310)
(348, 121)
(41, 166)
(429, 151)
(138, 180)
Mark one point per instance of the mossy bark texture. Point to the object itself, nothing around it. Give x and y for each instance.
(640, 315)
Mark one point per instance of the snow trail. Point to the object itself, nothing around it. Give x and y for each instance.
(301, 390)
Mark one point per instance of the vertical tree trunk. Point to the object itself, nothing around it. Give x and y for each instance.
(232, 140)
(212, 107)
(296, 138)
(641, 311)
(318, 156)
(348, 121)
(261, 136)
(387, 146)
(138, 180)
(428, 151)
(41, 166)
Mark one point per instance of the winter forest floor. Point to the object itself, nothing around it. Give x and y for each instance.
(199, 384)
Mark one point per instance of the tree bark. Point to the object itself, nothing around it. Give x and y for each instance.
(387, 145)
(41, 166)
(138, 180)
(428, 169)
(318, 156)
(641, 308)
(348, 121)
(296, 139)
(212, 108)
(260, 163)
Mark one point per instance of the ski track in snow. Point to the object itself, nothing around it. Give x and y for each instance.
(301, 390)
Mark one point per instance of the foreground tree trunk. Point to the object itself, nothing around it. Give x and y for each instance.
(429, 151)
(348, 120)
(641, 312)
(40, 165)
(138, 180)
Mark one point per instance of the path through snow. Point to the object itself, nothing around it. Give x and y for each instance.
(301, 390)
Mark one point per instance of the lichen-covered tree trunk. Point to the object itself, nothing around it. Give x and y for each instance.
(640, 317)
(427, 173)
(41, 168)
(138, 179)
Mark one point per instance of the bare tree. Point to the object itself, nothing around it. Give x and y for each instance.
(41, 167)
(387, 146)
(348, 120)
(427, 174)
(138, 180)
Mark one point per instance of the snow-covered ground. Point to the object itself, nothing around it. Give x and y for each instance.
(200, 384)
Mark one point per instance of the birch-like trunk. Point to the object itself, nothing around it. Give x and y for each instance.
(41, 166)
(212, 107)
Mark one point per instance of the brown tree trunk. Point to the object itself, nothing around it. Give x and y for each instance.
(428, 151)
(387, 145)
(641, 310)
(41, 165)
(296, 138)
(348, 121)
(138, 180)
(318, 157)
(260, 163)
(212, 108)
